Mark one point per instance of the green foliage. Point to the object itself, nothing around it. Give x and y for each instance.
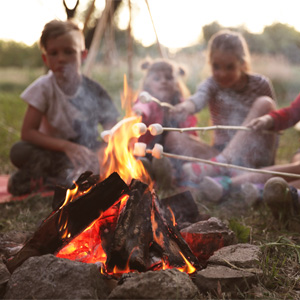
(209, 30)
(13, 54)
(12, 111)
(280, 261)
(276, 39)
(241, 231)
(283, 39)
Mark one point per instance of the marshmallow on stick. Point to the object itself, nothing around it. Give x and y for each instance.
(106, 134)
(157, 152)
(145, 97)
(156, 128)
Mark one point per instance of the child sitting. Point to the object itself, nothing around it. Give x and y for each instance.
(281, 194)
(234, 96)
(163, 80)
(59, 132)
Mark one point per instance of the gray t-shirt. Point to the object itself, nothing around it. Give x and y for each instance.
(230, 107)
(71, 117)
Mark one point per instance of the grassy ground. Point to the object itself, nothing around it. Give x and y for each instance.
(281, 250)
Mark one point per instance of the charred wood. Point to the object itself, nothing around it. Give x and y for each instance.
(143, 238)
(50, 237)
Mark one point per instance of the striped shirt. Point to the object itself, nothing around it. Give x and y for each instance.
(228, 106)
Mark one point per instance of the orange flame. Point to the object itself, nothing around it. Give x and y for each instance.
(158, 238)
(188, 268)
(118, 155)
(173, 216)
(86, 247)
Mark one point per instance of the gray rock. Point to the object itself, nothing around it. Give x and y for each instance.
(239, 255)
(165, 284)
(49, 277)
(4, 277)
(219, 279)
(206, 237)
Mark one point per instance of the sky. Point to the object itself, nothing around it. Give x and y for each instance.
(178, 23)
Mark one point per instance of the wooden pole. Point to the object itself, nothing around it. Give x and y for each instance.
(129, 47)
(161, 50)
(88, 16)
(87, 68)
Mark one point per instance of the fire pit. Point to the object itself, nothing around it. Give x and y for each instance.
(125, 228)
(114, 219)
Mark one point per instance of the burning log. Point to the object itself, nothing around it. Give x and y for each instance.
(133, 229)
(144, 239)
(131, 237)
(52, 234)
(184, 208)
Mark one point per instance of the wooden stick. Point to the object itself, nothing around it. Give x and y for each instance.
(216, 127)
(209, 162)
(165, 104)
(145, 97)
(90, 60)
(161, 50)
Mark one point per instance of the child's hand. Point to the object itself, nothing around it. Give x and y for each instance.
(80, 156)
(262, 123)
(182, 110)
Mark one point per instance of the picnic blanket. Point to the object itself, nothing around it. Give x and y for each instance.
(5, 196)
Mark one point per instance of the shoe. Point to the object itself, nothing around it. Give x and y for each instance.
(21, 183)
(211, 189)
(215, 188)
(195, 172)
(252, 193)
(281, 198)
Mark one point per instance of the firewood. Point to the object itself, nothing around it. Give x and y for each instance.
(144, 238)
(79, 214)
(131, 237)
(183, 207)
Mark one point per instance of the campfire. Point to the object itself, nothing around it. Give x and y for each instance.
(114, 219)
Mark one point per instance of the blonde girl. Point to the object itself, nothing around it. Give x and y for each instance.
(234, 96)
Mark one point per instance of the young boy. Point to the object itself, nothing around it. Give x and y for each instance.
(59, 137)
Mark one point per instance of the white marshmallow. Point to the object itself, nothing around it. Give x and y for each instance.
(105, 135)
(139, 129)
(145, 97)
(157, 151)
(139, 149)
(155, 129)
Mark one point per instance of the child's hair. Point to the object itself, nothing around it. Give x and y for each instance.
(233, 42)
(165, 65)
(56, 28)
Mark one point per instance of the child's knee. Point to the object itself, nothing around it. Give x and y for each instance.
(264, 104)
(20, 153)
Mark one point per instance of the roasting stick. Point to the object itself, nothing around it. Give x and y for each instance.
(145, 97)
(106, 134)
(156, 129)
(157, 152)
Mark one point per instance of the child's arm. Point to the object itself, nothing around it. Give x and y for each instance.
(182, 110)
(279, 119)
(30, 133)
